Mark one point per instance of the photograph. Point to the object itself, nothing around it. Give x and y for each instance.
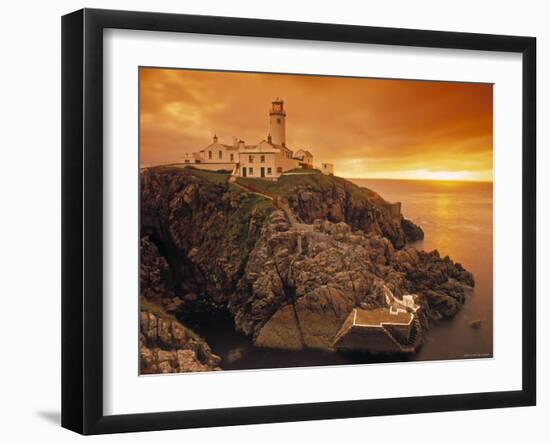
(275, 222)
(292, 220)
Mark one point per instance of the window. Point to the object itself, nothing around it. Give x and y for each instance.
(220, 154)
(262, 158)
(250, 159)
(231, 157)
(279, 121)
(268, 171)
(210, 155)
(250, 171)
(186, 161)
(280, 170)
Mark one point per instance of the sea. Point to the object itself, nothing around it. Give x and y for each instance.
(457, 221)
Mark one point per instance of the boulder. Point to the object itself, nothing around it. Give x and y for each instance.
(167, 346)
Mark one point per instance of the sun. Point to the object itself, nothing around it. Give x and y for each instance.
(418, 174)
(448, 175)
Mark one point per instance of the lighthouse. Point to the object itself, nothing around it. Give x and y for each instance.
(277, 117)
(269, 159)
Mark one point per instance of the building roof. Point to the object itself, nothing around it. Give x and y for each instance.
(281, 147)
(376, 317)
(215, 145)
(306, 152)
(372, 331)
(260, 150)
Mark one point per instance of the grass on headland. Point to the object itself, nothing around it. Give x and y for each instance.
(216, 177)
(252, 205)
(313, 178)
(284, 185)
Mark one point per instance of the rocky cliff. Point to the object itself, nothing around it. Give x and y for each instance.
(166, 345)
(302, 280)
(338, 200)
(204, 229)
(288, 259)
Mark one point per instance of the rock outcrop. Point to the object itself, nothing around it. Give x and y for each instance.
(412, 232)
(290, 270)
(338, 200)
(166, 346)
(301, 281)
(203, 227)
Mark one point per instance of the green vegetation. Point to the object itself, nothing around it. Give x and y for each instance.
(251, 207)
(237, 189)
(284, 186)
(216, 177)
(358, 192)
(148, 306)
(238, 228)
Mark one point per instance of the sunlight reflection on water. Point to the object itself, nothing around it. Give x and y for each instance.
(457, 220)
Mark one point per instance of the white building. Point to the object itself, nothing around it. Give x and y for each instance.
(305, 156)
(191, 157)
(268, 159)
(326, 168)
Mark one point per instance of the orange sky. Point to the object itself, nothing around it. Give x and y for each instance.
(369, 128)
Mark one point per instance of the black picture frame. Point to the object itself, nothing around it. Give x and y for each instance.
(82, 218)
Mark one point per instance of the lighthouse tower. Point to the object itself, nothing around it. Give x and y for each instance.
(277, 116)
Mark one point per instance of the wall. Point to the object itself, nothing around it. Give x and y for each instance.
(209, 166)
(402, 332)
(277, 128)
(394, 210)
(287, 163)
(257, 164)
(215, 149)
(326, 168)
(30, 116)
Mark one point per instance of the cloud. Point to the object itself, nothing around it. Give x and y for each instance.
(363, 126)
